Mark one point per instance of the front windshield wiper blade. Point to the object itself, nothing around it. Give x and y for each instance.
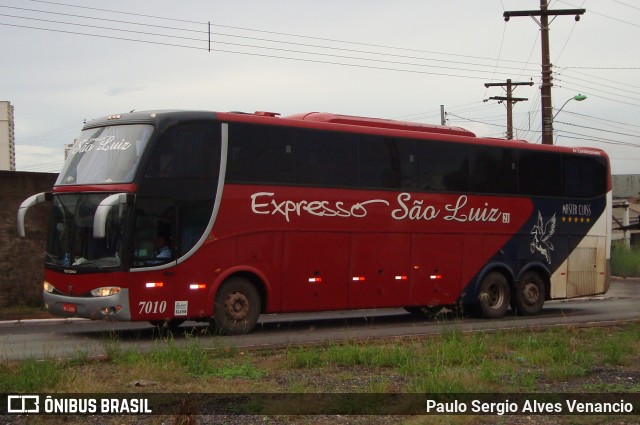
(53, 259)
(87, 263)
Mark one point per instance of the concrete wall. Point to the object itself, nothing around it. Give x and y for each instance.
(22, 259)
(626, 186)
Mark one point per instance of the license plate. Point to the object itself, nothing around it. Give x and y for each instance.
(69, 308)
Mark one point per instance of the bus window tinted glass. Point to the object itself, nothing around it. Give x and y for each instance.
(259, 154)
(190, 150)
(154, 234)
(443, 167)
(386, 163)
(377, 168)
(323, 158)
(493, 170)
(539, 173)
(584, 177)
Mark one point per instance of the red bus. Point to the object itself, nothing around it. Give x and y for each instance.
(171, 215)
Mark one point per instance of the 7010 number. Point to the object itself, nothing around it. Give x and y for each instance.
(152, 307)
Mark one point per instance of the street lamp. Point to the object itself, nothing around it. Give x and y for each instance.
(579, 97)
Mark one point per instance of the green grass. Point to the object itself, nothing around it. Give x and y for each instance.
(625, 262)
(480, 362)
(31, 376)
(194, 359)
(454, 362)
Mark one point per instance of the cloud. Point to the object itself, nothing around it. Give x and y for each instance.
(39, 158)
(123, 90)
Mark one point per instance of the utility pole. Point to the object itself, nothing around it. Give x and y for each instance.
(547, 80)
(510, 101)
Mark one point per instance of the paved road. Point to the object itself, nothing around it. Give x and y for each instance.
(65, 338)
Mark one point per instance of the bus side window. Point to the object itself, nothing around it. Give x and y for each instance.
(584, 177)
(539, 173)
(324, 158)
(443, 167)
(492, 170)
(193, 219)
(378, 167)
(259, 154)
(155, 218)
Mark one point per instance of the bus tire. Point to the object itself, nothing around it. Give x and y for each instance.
(237, 307)
(494, 296)
(529, 294)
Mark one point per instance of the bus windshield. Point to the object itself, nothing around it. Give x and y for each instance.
(71, 242)
(105, 155)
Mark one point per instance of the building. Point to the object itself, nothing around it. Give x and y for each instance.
(67, 149)
(7, 137)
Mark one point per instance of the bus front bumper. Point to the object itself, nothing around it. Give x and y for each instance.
(113, 307)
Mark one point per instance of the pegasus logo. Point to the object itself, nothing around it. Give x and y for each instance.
(542, 233)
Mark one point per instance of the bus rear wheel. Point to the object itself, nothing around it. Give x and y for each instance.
(494, 296)
(237, 307)
(529, 294)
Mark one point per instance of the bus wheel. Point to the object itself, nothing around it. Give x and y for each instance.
(494, 296)
(237, 307)
(529, 294)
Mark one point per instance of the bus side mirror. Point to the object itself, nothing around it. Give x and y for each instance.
(100, 218)
(26, 204)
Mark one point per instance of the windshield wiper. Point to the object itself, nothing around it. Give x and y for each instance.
(51, 257)
(81, 262)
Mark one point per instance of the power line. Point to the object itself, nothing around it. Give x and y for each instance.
(383, 68)
(598, 139)
(103, 36)
(476, 62)
(622, 89)
(251, 46)
(602, 97)
(598, 129)
(288, 51)
(562, 70)
(333, 40)
(605, 68)
(601, 119)
(115, 11)
(625, 4)
(604, 16)
(547, 82)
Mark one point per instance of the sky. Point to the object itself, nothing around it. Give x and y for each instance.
(67, 61)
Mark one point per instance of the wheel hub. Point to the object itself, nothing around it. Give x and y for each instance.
(236, 306)
(495, 296)
(530, 293)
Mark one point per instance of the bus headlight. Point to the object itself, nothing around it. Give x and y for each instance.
(48, 287)
(105, 291)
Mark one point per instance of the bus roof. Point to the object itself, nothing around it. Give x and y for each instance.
(320, 119)
(379, 123)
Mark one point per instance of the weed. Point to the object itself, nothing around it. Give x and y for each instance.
(625, 262)
(301, 357)
(31, 376)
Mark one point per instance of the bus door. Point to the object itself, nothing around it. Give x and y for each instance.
(154, 278)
